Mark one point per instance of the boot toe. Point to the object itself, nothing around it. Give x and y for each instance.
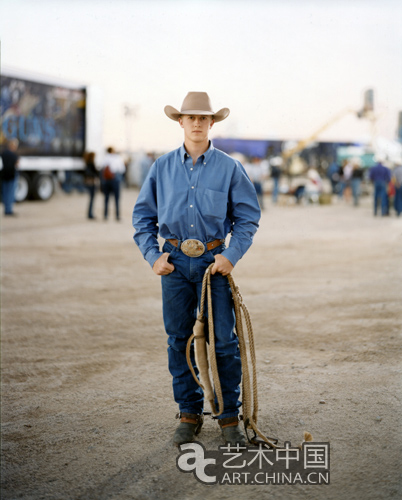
(185, 433)
(234, 435)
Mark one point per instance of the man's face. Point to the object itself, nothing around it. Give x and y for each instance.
(196, 127)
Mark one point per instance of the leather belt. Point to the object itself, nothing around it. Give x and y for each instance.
(195, 248)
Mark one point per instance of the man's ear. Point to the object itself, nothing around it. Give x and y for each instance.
(212, 122)
(180, 121)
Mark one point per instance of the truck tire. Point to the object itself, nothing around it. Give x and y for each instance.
(23, 187)
(43, 187)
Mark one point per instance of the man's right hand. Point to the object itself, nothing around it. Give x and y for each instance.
(162, 266)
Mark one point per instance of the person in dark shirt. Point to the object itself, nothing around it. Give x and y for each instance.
(8, 175)
(380, 176)
(91, 175)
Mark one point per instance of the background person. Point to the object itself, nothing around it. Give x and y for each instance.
(380, 176)
(8, 176)
(347, 179)
(91, 176)
(313, 186)
(334, 176)
(254, 169)
(356, 181)
(397, 177)
(276, 172)
(113, 169)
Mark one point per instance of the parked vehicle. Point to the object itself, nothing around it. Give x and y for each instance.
(55, 122)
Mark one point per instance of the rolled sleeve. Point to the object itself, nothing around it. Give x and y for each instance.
(145, 220)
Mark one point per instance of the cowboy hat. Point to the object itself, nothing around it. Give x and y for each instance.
(196, 103)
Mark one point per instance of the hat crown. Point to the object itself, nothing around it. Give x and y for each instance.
(197, 101)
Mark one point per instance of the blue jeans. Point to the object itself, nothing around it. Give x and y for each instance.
(181, 294)
(112, 187)
(356, 183)
(380, 196)
(91, 191)
(8, 195)
(275, 189)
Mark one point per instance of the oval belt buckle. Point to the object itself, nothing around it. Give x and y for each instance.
(192, 248)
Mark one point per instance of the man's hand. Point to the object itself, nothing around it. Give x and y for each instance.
(162, 266)
(222, 265)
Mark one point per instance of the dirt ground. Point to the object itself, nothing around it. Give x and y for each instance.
(87, 407)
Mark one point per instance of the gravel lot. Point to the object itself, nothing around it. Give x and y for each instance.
(87, 407)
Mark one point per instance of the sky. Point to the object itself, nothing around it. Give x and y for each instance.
(285, 68)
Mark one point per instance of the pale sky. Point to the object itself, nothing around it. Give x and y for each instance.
(283, 67)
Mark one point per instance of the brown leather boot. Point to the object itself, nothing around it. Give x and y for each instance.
(190, 425)
(232, 432)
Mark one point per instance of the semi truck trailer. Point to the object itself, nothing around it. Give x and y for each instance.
(55, 122)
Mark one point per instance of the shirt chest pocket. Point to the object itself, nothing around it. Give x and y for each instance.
(213, 204)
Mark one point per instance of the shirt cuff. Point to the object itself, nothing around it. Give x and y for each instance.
(152, 257)
(232, 255)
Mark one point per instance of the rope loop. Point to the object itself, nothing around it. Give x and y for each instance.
(249, 384)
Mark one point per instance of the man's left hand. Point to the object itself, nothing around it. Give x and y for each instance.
(222, 265)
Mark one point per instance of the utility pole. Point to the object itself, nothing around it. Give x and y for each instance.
(130, 113)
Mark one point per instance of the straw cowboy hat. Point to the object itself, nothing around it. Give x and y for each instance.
(196, 103)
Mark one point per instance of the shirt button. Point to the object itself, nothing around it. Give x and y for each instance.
(205, 162)
(192, 187)
(191, 169)
(191, 206)
(192, 225)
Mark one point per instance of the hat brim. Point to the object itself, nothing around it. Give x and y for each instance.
(174, 114)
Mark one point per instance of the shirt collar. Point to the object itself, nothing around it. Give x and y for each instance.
(205, 157)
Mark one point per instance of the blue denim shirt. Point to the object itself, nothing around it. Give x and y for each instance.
(206, 201)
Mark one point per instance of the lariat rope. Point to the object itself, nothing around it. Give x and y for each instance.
(250, 412)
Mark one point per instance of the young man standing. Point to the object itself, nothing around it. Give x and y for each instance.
(194, 197)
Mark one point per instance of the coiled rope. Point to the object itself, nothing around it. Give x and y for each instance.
(249, 395)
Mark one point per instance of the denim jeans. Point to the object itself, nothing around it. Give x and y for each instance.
(8, 195)
(181, 294)
(91, 191)
(356, 189)
(112, 187)
(275, 190)
(380, 196)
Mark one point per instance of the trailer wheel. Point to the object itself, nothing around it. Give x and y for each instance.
(22, 188)
(43, 187)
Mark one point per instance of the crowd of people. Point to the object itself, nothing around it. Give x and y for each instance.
(346, 178)
(259, 170)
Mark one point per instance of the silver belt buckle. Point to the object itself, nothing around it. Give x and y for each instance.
(192, 248)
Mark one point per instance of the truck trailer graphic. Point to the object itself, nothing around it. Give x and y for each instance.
(55, 122)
